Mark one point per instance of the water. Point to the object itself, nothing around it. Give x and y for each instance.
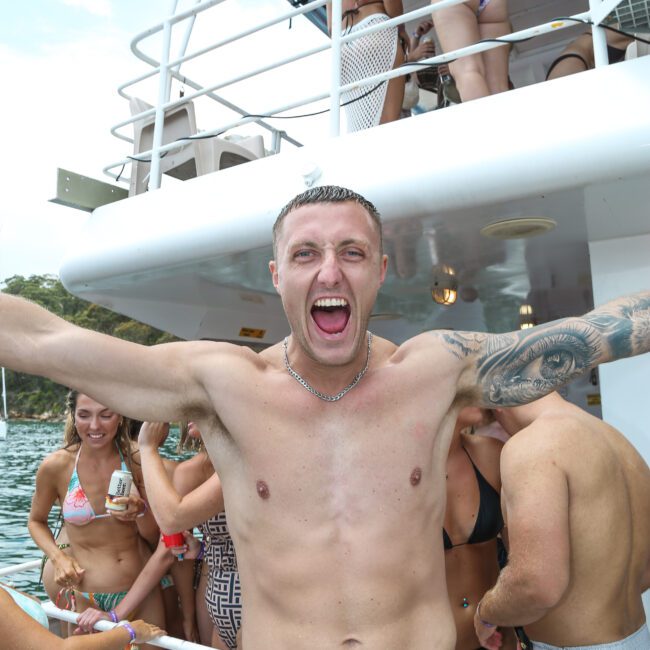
(21, 453)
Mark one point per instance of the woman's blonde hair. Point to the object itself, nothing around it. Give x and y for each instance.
(71, 435)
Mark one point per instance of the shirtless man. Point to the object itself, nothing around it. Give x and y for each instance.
(576, 497)
(332, 447)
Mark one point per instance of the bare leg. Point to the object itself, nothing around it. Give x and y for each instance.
(394, 92)
(203, 619)
(152, 610)
(493, 23)
(457, 27)
(173, 617)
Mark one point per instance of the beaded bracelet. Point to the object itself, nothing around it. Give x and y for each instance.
(113, 616)
(129, 629)
(478, 614)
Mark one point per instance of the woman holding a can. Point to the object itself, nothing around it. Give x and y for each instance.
(107, 548)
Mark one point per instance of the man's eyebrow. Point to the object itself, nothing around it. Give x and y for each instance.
(300, 244)
(354, 242)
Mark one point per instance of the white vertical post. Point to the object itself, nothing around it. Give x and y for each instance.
(598, 35)
(159, 125)
(4, 395)
(335, 96)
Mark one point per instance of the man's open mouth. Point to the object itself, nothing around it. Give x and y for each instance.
(331, 314)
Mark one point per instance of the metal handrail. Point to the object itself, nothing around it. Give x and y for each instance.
(18, 568)
(598, 8)
(170, 642)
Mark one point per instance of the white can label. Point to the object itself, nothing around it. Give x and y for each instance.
(120, 486)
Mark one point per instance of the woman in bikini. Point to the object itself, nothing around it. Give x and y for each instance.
(368, 56)
(480, 74)
(473, 522)
(107, 551)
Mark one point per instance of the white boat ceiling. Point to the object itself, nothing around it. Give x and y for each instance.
(192, 258)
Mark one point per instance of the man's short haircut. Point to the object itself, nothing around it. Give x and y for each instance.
(327, 194)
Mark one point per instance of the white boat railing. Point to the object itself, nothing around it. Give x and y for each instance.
(168, 69)
(19, 568)
(170, 642)
(161, 642)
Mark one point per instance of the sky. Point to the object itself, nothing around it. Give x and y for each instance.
(61, 62)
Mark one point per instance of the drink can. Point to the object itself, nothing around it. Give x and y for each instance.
(120, 486)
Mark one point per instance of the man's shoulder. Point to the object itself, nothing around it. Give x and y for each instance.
(229, 357)
(444, 343)
(548, 436)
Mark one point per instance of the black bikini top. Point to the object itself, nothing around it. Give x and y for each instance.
(489, 520)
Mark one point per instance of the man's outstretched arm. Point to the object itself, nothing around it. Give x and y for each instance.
(520, 367)
(162, 381)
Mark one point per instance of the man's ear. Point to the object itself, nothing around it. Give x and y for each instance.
(384, 266)
(273, 268)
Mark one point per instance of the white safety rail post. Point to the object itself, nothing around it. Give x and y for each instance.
(335, 92)
(170, 642)
(19, 568)
(159, 124)
(599, 10)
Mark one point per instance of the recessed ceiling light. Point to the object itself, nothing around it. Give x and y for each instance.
(520, 228)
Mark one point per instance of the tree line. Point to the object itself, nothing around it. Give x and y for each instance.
(36, 397)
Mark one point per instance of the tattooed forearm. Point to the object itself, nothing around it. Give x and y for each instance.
(520, 367)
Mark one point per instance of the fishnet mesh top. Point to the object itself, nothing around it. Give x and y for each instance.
(367, 56)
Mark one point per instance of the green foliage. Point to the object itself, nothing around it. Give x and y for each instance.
(30, 396)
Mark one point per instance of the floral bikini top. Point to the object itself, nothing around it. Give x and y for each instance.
(77, 509)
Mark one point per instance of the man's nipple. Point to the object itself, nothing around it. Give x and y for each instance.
(416, 476)
(262, 490)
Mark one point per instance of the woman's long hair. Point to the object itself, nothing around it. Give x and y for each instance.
(71, 435)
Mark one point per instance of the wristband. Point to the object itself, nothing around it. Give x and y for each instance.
(129, 629)
(113, 616)
(199, 557)
(478, 615)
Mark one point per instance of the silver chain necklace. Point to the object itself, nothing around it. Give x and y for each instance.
(313, 391)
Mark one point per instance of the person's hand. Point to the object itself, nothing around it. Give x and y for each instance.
(67, 573)
(135, 506)
(423, 27)
(190, 631)
(145, 631)
(489, 636)
(152, 434)
(192, 547)
(422, 51)
(87, 620)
